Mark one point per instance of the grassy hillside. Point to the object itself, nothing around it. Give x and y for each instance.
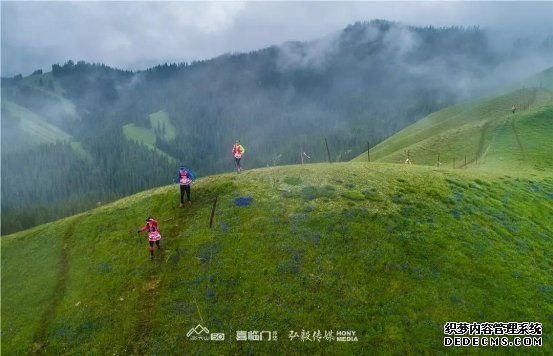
(523, 141)
(144, 136)
(42, 94)
(390, 251)
(541, 80)
(140, 134)
(46, 84)
(161, 122)
(485, 133)
(36, 128)
(22, 129)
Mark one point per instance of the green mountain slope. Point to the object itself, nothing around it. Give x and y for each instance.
(160, 128)
(523, 141)
(161, 123)
(541, 80)
(389, 251)
(48, 87)
(36, 128)
(485, 133)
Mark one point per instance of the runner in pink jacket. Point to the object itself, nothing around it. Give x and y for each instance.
(153, 234)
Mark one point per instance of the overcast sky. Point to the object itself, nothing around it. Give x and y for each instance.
(136, 35)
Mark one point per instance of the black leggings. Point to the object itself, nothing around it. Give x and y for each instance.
(184, 188)
(237, 160)
(152, 243)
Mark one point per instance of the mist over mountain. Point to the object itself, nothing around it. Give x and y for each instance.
(89, 133)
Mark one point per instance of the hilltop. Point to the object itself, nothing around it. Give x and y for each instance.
(390, 251)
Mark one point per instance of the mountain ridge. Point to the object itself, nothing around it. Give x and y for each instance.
(363, 83)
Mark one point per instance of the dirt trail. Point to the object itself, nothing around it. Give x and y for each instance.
(481, 143)
(519, 143)
(140, 343)
(40, 339)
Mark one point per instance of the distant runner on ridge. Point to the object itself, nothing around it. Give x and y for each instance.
(238, 150)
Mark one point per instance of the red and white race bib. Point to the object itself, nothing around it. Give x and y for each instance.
(154, 236)
(184, 180)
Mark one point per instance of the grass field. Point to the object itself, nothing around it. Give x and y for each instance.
(389, 251)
